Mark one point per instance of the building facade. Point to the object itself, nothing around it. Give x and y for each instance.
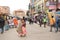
(19, 13)
(32, 8)
(4, 10)
(46, 5)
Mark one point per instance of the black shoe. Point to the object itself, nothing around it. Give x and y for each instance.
(1, 32)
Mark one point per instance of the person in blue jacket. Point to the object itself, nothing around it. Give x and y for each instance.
(57, 23)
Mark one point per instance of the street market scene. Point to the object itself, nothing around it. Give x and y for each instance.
(29, 19)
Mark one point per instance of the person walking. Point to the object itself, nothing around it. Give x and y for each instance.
(23, 33)
(19, 28)
(35, 19)
(15, 22)
(6, 25)
(52, 23)
(2, 23)
(57, 23)
(24, 18)
(40, 19)
(44, 21)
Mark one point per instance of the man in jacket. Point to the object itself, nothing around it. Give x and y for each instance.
(2, 22)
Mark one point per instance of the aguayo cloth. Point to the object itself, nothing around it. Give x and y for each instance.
(23, 30)
(19, 28)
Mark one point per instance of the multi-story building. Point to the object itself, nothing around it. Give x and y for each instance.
(43, 5)
(39, 5)
(32, 8)
(19, 13)
(54, 4)
(4, 10)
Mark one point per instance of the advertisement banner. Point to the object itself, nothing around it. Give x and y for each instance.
(52, 4)
(52, 7)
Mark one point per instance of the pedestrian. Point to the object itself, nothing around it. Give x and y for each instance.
(52, 23)
(57, 23)
(6, 25)
(35, 19)
(30, 21)
(2, 23)
(19, 28)
(44, 21)
(24, 18)
(15, 22)
(23, 33)
(40, 19)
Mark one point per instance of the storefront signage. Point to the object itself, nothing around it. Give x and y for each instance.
(52, 7)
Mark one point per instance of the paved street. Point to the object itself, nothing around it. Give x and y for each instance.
(34, 32)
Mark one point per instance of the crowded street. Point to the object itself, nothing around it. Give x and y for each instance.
(29, 19)
(34, 32)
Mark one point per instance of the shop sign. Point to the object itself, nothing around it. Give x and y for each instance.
(52, 7)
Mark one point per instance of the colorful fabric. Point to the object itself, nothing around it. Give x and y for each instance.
(23, 30)
(52, 21)
(19, 28)
(15, 21)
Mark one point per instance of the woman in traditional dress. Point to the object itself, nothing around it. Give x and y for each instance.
(23, 32)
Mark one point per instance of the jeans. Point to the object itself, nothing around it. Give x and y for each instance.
(2, 29)
(57, 27)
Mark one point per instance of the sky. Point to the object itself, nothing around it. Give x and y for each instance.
(15, 4)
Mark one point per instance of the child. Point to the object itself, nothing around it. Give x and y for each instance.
(52, 23)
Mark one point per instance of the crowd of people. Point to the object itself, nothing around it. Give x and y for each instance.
(7, 23)
(44, 19)
(41, 18)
